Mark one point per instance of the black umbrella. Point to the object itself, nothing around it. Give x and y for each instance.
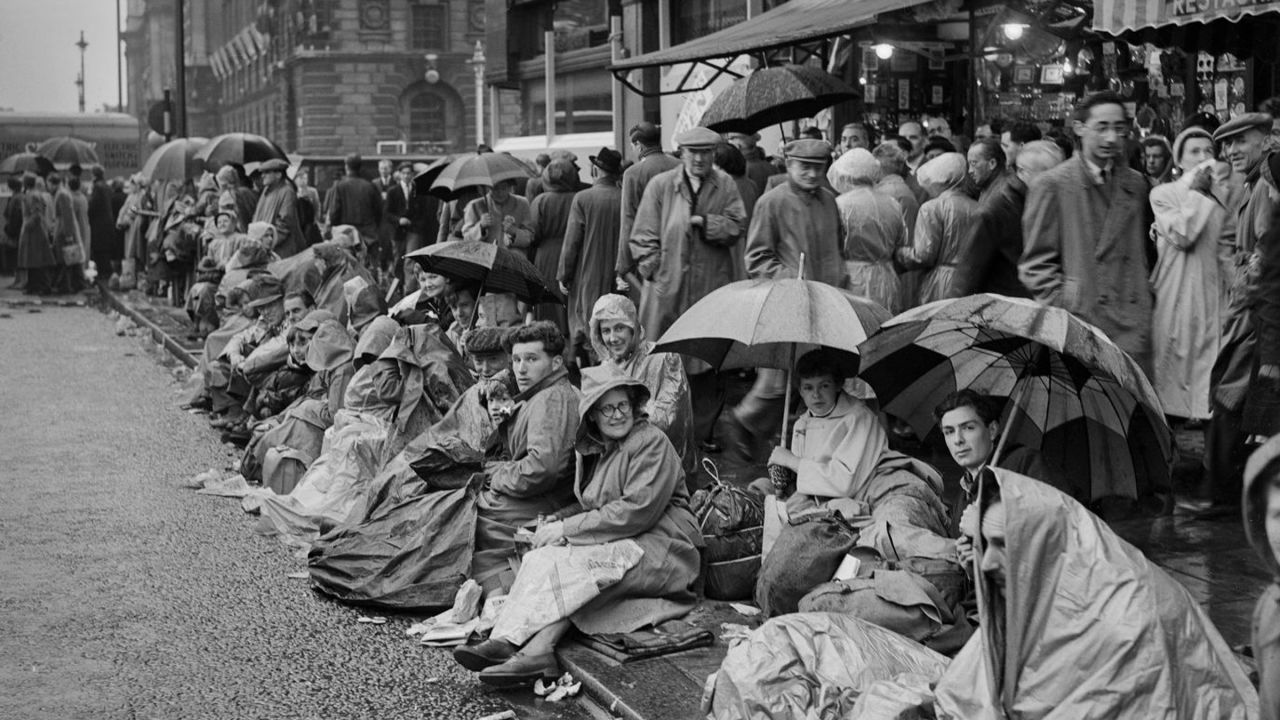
(26, 162)
(775, 95)
(496, 268)
(239, 148)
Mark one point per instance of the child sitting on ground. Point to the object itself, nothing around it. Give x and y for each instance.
(202, 305)
(1262, 526)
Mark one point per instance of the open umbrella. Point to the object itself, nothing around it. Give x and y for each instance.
(65, 151)
(425, 178)
(497, 269)
(774, 95)
(767, 323)
(1073, 394)
(239, 148)
(26, 162)
(478, 170)
(175, 160)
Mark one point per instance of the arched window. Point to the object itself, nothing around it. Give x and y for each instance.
(428, 118)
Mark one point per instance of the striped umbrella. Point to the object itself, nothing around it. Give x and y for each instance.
(175, 160)
(1072, 393)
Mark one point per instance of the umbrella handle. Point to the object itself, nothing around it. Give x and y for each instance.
(1023, 385)
(786, 403)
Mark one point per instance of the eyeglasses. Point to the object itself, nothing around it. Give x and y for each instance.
(622, 410)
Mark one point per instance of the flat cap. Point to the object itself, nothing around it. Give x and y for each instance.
(1237, 125)
(698, 138)
(273, 165)
(264, 290)
(645, 132)
(817, 151)
(485, 340)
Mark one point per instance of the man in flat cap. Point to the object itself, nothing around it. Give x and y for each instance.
(688, 223)
(650, 161)
(278, 205)
(797, 219)
(1245, 144)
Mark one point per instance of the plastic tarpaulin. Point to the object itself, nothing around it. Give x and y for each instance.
(813, 665)
(412, 555)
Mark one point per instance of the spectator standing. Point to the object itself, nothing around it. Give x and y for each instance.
(12, 231)
(1086, 225)
(66, 231)
(549, 218)
(729, 159)
(396, 212)
(913, 133)
(35, 241)
(383, 183)
(278, 206)
(758, 167)
(1186, 323)
(991, 265)
(943, 229)
(587, 261)
(80, 202)
(986, 167)
(646, 143)
(854, 135)
(236, 195)
(358, 203)
(1018, 134)
(1157, 160)
(533, 185)
(687, 223)
(873, 226)
(107, 251)
(501, 217)
(309, 215)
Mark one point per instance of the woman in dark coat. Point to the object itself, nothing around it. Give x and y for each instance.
(550, 212)
(107, 248)
(35, 251)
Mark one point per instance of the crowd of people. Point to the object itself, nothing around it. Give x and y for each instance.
(588, 440)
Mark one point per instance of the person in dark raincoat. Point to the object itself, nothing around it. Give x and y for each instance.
(1262, 526)
(537, 477)
(336, 267)
(682, 242)
(35, 244)
(944, 227)
(278, 205)
(1077, 623)
(549, 218)
(630, 490)
(590, 250)
(650, 162)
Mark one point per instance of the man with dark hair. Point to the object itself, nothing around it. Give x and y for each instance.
(538, 437)
(933, 147)
(855, 135)
(1012, 140)
(296, 306)
(646, 143)
(913, 133)
(759, 169)
(986, 166)
(358, 203)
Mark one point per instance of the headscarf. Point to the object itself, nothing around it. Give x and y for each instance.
(946, 172)
(612, 308)
(331, 347)
(258, 232)
(1183, 137)
(559, 176)
(857, 167)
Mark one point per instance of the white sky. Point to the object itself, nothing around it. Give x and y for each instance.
(41, 61)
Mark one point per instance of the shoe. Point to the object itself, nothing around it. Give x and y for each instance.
(484, 654)
(236, 436)
(199, 402)
(521, 670)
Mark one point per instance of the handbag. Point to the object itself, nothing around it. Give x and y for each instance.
(732, 524)
(805, 555)
(72, 253)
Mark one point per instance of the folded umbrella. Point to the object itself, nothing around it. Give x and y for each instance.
(66, 151)
(478, 170)
(175, 160)
(24, 162)
(1073, 394)
(774, 95)
(239, 148)
(497, 269)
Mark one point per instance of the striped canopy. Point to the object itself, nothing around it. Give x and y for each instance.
(1117, 16)
(1072, 394)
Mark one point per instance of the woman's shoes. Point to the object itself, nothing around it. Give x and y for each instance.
(484, 654)
(520, 670)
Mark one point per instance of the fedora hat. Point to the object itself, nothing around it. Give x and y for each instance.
(608, 160)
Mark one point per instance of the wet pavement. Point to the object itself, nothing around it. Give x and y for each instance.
(126, 596)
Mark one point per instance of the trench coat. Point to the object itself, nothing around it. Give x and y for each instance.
(1190, 304)
(590, 250)
(279, 206)
(66, 229)
(106, 243)
(896, 187)
(35, 248)
(634, 489)
(515, 207)
(1086, 251)
(681, 264)
(789, 222)
(873, 231)
(652, 163)
(991, 265)
(549, 218)
(943, 233)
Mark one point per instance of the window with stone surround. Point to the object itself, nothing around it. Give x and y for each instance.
(429, 26)
(428, 117)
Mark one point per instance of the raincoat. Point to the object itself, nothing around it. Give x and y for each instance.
(1266, 615)
(429, 377)
(1087, 628)
(629, 489)
(1086, 249)
(537, 479)
(681, 264)
(590, 250)
(1190, 302)
(873, 228)
(329, 293)
(652, 163)
(991, 265)
(362, 303)
(515, 207)
(670, 407)
(35, 248)
(839, 452)
(789, 222)
(943, 228)
(279, 206)
(549, 218)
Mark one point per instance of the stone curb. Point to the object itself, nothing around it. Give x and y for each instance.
(172, 346)
(596, 690)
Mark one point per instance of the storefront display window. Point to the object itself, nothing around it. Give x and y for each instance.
(583, 104)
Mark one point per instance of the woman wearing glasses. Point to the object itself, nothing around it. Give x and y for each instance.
(632, 512)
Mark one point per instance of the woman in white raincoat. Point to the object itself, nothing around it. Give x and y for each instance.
(1077, 624)
(943, 228)
(1186, 325)
(873, 228)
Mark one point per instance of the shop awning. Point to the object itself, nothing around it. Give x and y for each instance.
(1116, 17)
(794, 23)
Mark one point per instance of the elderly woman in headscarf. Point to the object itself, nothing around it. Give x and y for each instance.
(1186, 325)
(943, 227)
(549, 217)
(873, 228)
(235, 196)
(631, 539)
(619, 343)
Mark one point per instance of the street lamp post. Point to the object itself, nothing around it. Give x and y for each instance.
(477, 64)
(83, 45)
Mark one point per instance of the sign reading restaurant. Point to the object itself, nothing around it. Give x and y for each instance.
(1214, 8)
